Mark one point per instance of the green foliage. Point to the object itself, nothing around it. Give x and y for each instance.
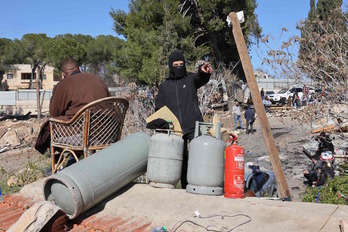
(31, 172)
(330, 192)
(311, 13)
(153, 29)
(102, 53)
(65, 46)
(325, 7)
(13, 53)
(34, 47)
(4, 44)
(324, 42)
(4, 176)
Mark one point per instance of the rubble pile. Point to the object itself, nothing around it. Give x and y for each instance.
(20, 164)
(16, 134)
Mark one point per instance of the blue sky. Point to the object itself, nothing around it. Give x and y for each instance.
(91, 17)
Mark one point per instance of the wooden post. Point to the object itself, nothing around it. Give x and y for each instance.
(38, 92)
(283, 189)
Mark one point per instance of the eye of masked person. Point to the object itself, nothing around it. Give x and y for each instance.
(178, 63)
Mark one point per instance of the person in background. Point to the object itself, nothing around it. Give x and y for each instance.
(179, 93)
(295, 100)
(321, 178)
(237, 117)
(262, 93)
(325, 143)
(289, 101)
(311, 173)
(305, 91)
(249, 116)
(267, 104)
(312, 101)
(328, 170)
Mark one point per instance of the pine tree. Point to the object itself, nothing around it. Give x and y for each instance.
(323, 43)
(312, 13)
(153, 29)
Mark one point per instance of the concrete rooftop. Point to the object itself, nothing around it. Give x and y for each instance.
(148, 207)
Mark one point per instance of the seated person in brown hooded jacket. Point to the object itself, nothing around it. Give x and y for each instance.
(75, 90)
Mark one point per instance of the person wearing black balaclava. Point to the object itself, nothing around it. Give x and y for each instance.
(179, 93)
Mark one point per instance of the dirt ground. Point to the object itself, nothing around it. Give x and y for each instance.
(288, 134)
(20, 163)
(18, 138)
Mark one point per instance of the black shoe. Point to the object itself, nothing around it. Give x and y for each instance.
(71, 161)
(306, 182)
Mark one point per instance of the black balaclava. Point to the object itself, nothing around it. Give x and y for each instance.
(176, 72)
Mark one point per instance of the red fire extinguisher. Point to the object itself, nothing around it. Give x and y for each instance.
(234, 169)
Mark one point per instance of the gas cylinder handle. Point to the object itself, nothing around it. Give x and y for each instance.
(233, 138)
(201, 128)
(168, 131)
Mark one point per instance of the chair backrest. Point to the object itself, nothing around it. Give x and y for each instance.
(106, 118)
(95, 126)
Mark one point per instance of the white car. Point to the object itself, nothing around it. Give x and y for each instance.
(283, 95)
(268, 93)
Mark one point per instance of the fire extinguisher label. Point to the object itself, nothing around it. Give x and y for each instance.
(238, 181)
(239, 158)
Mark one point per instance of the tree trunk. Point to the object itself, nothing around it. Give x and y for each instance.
(33, 67)
(38, 87)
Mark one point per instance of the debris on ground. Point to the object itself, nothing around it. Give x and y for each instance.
(15, 134)
(38, 218)
(15, 117)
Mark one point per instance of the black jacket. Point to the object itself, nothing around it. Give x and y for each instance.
(325, 144)
(249, 114)
(180, 96)
(321, 179)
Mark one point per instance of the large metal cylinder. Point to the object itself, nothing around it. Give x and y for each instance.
(205, 172)
(165, 159)
(79, 187)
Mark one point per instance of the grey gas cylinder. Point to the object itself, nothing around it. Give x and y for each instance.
(79, 187)
(165, 159)
(205, 172)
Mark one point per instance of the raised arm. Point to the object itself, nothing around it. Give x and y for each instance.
(204, 72)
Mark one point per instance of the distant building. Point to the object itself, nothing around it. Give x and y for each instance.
(261, 75)
(269, 83)
(19, 78)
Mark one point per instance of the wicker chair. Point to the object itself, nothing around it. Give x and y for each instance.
(94, 127)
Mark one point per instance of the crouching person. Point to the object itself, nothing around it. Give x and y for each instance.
(321, 178)
(328, 170)
(311, 173)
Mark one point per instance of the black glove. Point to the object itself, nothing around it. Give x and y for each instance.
(158, 123)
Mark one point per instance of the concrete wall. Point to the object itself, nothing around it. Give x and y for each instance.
(23, 101)
(23, 108)
(8, 98)
(274, 84)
